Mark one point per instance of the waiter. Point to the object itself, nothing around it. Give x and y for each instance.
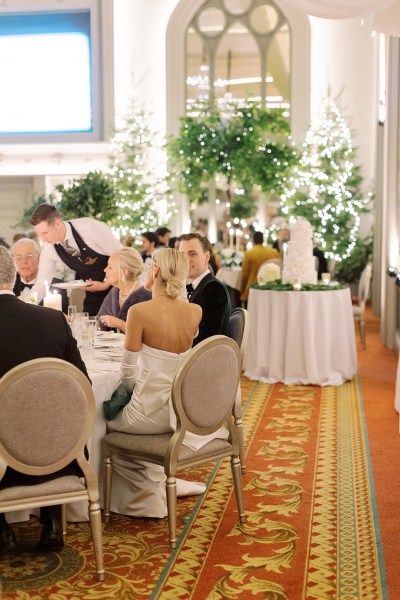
(84, 245)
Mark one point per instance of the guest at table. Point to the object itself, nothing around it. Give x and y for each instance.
(283, 238)
(163, 234)
(84, 245)
(203, 288)
(122, 272)
(252, 261)
(159, 335)
(26, 252)
(27, 332)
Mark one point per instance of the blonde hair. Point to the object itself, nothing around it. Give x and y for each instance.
(173, 270)
(7, 268)
(130, 260)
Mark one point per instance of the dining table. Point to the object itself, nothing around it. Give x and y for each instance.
(301, 337)
(103, 366)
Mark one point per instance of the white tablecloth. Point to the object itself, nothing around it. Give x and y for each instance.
(230, 276)
(301, 337)
(105, 377)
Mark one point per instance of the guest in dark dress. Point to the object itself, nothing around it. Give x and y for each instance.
(122, 272)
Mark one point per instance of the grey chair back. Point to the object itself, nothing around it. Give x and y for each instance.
(201, 396)
(46, 413)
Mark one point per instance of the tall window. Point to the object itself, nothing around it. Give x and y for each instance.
(237, 50)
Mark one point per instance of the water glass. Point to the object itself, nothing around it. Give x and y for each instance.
(88, 329)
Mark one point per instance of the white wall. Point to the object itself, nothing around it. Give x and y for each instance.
(344, 59)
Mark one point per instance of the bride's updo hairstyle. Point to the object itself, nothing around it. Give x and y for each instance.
(173, 270)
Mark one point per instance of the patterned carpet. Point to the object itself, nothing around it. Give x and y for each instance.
(311, 529)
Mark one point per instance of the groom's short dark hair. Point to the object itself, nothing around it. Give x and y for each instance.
(205, 243)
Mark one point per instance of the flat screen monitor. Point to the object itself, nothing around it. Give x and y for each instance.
(48, 78)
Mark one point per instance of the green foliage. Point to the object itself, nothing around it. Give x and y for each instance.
(89, 196)
(249, 147)
(349, 270)
(243, 205)
(278, 286)
(27, 213)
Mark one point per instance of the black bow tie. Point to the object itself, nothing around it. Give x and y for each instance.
(28, 285)
(189, 289)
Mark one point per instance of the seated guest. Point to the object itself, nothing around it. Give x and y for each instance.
(163, 234)
(283, 238)
(203, 288)
(149, 243)
(26, 252)
(252, 261)
(122, 272)
(173, 242)
(27, 332)
(159, 335)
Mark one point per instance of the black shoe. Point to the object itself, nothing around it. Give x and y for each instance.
(51, 538)
(8, 541)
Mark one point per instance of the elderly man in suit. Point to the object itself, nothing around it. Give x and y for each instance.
(204, 289)
(26, 253)
(27, 332)
(252, 261)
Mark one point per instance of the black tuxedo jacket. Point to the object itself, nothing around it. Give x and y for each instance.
(29, 331)
(213, 297)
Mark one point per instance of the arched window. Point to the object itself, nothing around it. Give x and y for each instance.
(237, 50)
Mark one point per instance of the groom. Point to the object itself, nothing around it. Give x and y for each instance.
(204, 289)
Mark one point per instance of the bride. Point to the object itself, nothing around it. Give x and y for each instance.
(159, 334)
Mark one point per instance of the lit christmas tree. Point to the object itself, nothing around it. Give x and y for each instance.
(139, 176)
(325, 187)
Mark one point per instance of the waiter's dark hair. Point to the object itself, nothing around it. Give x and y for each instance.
(44, 212)
(204, 242)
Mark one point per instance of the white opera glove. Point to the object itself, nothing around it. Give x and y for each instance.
(129, 369)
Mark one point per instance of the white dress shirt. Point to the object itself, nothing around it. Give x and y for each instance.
(96, 235)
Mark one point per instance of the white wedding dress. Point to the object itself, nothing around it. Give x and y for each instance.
(138, 489)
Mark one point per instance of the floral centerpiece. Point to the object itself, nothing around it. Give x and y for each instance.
(231, 257)
(268, 272)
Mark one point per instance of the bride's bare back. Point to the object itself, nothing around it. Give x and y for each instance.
(164, 323)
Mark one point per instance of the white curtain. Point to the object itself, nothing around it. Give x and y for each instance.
(340, 9)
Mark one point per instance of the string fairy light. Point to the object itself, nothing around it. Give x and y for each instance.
(324, 188)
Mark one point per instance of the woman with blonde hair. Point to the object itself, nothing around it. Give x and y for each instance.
(122, 272)
(159, 335)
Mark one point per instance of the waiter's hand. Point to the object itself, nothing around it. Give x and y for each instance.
(95, 286)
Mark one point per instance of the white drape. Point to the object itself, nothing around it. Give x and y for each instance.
(340, 9)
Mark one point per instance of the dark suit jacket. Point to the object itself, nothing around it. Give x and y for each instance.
(27, 332)
(213, 297)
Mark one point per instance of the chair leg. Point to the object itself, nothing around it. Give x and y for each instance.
(107, 474)
(64, 519)
(239, 427)
(237, 483)
(362, 331)
(97, 537)
(171, 508)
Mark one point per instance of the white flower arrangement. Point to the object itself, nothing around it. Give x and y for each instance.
(267, 273)
(231, 258)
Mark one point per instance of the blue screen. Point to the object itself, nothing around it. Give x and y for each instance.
(45, 73)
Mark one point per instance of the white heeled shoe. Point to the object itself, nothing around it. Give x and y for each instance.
(189, 488)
